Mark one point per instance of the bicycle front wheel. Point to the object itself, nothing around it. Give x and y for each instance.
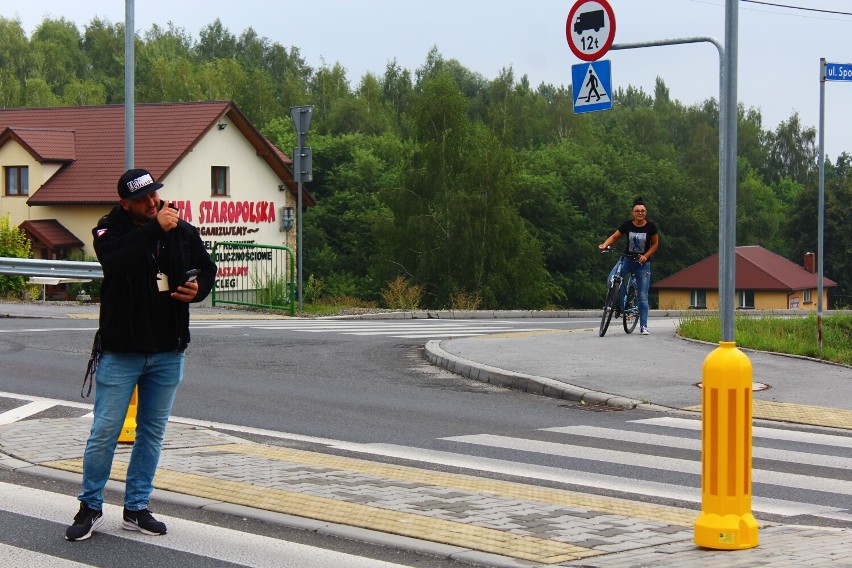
(609, 307)
(630, 315)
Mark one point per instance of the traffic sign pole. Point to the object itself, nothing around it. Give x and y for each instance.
(827, 72)
(301, 116)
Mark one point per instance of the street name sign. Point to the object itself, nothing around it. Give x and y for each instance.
(590, 28)
(838, 71)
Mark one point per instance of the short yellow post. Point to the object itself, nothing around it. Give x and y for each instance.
(726, 521)
(128, 432)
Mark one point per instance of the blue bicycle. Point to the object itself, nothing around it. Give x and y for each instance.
(621, 296)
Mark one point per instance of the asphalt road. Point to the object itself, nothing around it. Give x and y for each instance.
(375, 394)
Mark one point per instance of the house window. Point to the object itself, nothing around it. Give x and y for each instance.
(806, 296)
(698, 299)
(219, 181)
(17, 180)
(745, 299)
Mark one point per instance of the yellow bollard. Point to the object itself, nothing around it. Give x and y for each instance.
(726, 521)
(128, 432)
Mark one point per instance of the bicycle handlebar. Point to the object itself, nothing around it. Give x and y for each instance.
(633, 255)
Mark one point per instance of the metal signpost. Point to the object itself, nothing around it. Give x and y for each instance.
(827, 72)
(726, 521)
(302, 172)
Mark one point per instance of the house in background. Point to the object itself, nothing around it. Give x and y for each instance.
(764, 281)
(59, 168)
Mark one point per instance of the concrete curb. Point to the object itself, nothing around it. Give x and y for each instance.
(528, 383)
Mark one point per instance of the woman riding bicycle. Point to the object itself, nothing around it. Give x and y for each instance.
(642, 238)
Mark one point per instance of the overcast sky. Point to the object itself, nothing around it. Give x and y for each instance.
(779, 48)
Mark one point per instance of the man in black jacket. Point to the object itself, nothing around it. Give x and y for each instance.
(154, 265)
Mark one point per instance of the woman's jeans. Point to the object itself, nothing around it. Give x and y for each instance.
(642, 274)
(158, 376)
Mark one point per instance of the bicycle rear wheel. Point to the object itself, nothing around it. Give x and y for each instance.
(630, 315)
(609, 307)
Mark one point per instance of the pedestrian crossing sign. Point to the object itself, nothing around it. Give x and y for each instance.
(592, 84)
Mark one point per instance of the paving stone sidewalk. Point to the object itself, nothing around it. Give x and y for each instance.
(473, 519)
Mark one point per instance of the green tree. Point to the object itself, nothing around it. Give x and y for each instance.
(759, 218)
(792, 152)
(81, 93)
(165, 67)
(14, 53)
(103, 45)
(39, 94)
(13, 244)
(57, 55)
(454, 225)
(328, 88)
(397, 89)
(216, 42)
(837, 239)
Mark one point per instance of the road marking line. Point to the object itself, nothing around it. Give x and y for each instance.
(24, 411)
(692, 467)
(757, 431)
(787, 456)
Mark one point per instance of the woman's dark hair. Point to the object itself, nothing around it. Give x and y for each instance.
(638, 201)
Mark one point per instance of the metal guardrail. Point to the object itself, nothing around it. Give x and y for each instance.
(51, 268)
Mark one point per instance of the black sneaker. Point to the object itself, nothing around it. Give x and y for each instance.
(85, 522)
(142, 521)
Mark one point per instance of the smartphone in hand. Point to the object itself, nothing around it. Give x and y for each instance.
(191, 275)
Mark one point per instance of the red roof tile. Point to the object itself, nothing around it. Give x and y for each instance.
(755, 269)
(51, 233)
(45, 144)
(165, 132)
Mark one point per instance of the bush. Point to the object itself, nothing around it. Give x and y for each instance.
(400, 294)
(274, 291)
(462, 300)
(313, 289)
(13, 244)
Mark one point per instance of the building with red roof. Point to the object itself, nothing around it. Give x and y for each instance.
(59, 168)
(763, 281)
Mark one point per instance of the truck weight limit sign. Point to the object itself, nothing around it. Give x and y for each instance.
(590, 29)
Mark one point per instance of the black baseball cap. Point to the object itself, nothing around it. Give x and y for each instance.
(137, 183)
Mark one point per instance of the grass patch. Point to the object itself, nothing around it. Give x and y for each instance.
(792, 335)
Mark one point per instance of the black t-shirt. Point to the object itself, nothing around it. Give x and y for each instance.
(638, 238)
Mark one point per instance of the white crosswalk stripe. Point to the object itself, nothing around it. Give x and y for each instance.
(186, 539)
(820, 451)
(409, 329)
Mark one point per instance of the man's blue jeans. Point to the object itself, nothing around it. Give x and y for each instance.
(158, 376)
(642, 274)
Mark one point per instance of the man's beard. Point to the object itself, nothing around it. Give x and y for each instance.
(139, 218)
